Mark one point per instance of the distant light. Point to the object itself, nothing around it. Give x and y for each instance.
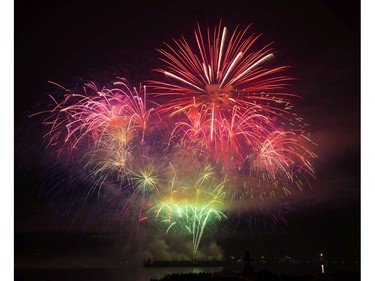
(321, 254)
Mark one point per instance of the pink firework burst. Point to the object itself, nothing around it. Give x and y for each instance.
(118, 113)
(284, 154)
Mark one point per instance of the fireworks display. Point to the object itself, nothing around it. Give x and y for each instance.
(214, 139)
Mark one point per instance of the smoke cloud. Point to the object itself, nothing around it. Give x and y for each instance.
(161, 246)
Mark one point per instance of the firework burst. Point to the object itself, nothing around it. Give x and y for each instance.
(191, 206)
(228, 101)
(223, 81)
(235, 147)
(118, 112)
(104, 129)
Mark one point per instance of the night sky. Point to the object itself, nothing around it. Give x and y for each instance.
(69, 42)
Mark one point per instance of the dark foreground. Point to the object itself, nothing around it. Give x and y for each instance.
(266, 272)
(263, 275)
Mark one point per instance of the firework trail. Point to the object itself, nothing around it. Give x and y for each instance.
(283, 154)
(228, 101)
(230, 145)
(222, 87)
(102, 132)
(192, 205)
(119, 113)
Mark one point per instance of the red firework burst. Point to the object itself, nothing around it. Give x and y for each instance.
(222, 85)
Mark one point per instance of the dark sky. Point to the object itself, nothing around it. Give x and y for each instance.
(74, 41)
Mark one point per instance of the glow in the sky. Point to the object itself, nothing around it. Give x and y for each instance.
(221, 137)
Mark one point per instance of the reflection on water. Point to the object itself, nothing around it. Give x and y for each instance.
(145, 274)
(102, 274)
(161, 272)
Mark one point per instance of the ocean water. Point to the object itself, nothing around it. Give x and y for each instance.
(102, 274)
(145, 274)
